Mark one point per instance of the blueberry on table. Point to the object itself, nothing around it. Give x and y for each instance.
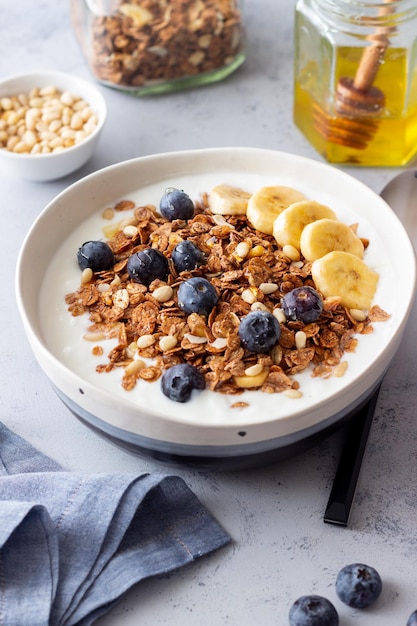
(97, 255)
(412, 620)
(147, 265)
(313, 611)
(187, 256)
(175, 204)
(358, 585)
(303, 304)
(178, 382)
(259, 331)
(197, 295)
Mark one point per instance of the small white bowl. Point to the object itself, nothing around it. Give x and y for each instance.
(44, 167)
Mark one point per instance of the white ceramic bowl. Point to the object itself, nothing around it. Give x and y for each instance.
(51, 166)
(206, 430)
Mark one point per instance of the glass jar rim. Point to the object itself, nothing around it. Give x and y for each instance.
(364, 15)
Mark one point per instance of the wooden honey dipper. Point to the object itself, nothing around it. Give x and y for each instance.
(358, 101)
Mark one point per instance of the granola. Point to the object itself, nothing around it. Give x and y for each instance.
(146, 42)
(153, 333)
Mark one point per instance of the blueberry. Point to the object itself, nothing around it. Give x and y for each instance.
(303, 304)
(197, 295)
(313, 611)
(147, 265)
(412, 620)
(358, 585)
(178, 382)
(186, 256)
(259, 331)
(97, 255)
(175, 204)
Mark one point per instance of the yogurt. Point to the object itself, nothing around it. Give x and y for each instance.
(64, 334)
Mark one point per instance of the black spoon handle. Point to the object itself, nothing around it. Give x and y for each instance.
(346, 478)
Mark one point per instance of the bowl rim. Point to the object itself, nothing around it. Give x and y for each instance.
(231, 153)
(48, 77)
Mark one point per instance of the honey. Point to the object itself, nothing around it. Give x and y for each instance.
(379, 125)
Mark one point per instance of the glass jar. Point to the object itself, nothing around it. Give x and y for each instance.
(156, 46)
(355, 79)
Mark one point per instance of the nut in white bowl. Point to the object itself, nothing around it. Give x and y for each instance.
(50, 123)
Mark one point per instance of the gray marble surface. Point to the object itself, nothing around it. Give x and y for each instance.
(281, 548)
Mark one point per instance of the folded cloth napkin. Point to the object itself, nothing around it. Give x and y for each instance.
(72, 543)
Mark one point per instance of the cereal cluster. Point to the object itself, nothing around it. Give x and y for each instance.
(155, 41)
(44, 120)
(248, 269)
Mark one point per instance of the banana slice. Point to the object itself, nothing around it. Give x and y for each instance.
(344, 275)
(267, 203)
(289, 225)
(228, 200)
(323, 236)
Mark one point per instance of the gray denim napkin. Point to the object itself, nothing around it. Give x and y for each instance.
(72, 543)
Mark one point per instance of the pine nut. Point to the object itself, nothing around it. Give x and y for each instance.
(6, 104)
(76, 122)
(280, 315)
(130, 231)
(248, 296)
(340, 369)
(242, 249)
(55, 142)
(29, 138)
(134, 367)
(55, 125)
(86, 275)
(291, 252)
(258, 306)
(276, 354)
(132, 349)
(145, 341)
(253, 370)
(163, 294)
(167, 343)
(21, 147)
(268, 288)
(358, 315)
(67, 98)
(49, 90)
(293, 393)
(300, 339)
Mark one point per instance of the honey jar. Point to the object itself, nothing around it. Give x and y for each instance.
(355, 79)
